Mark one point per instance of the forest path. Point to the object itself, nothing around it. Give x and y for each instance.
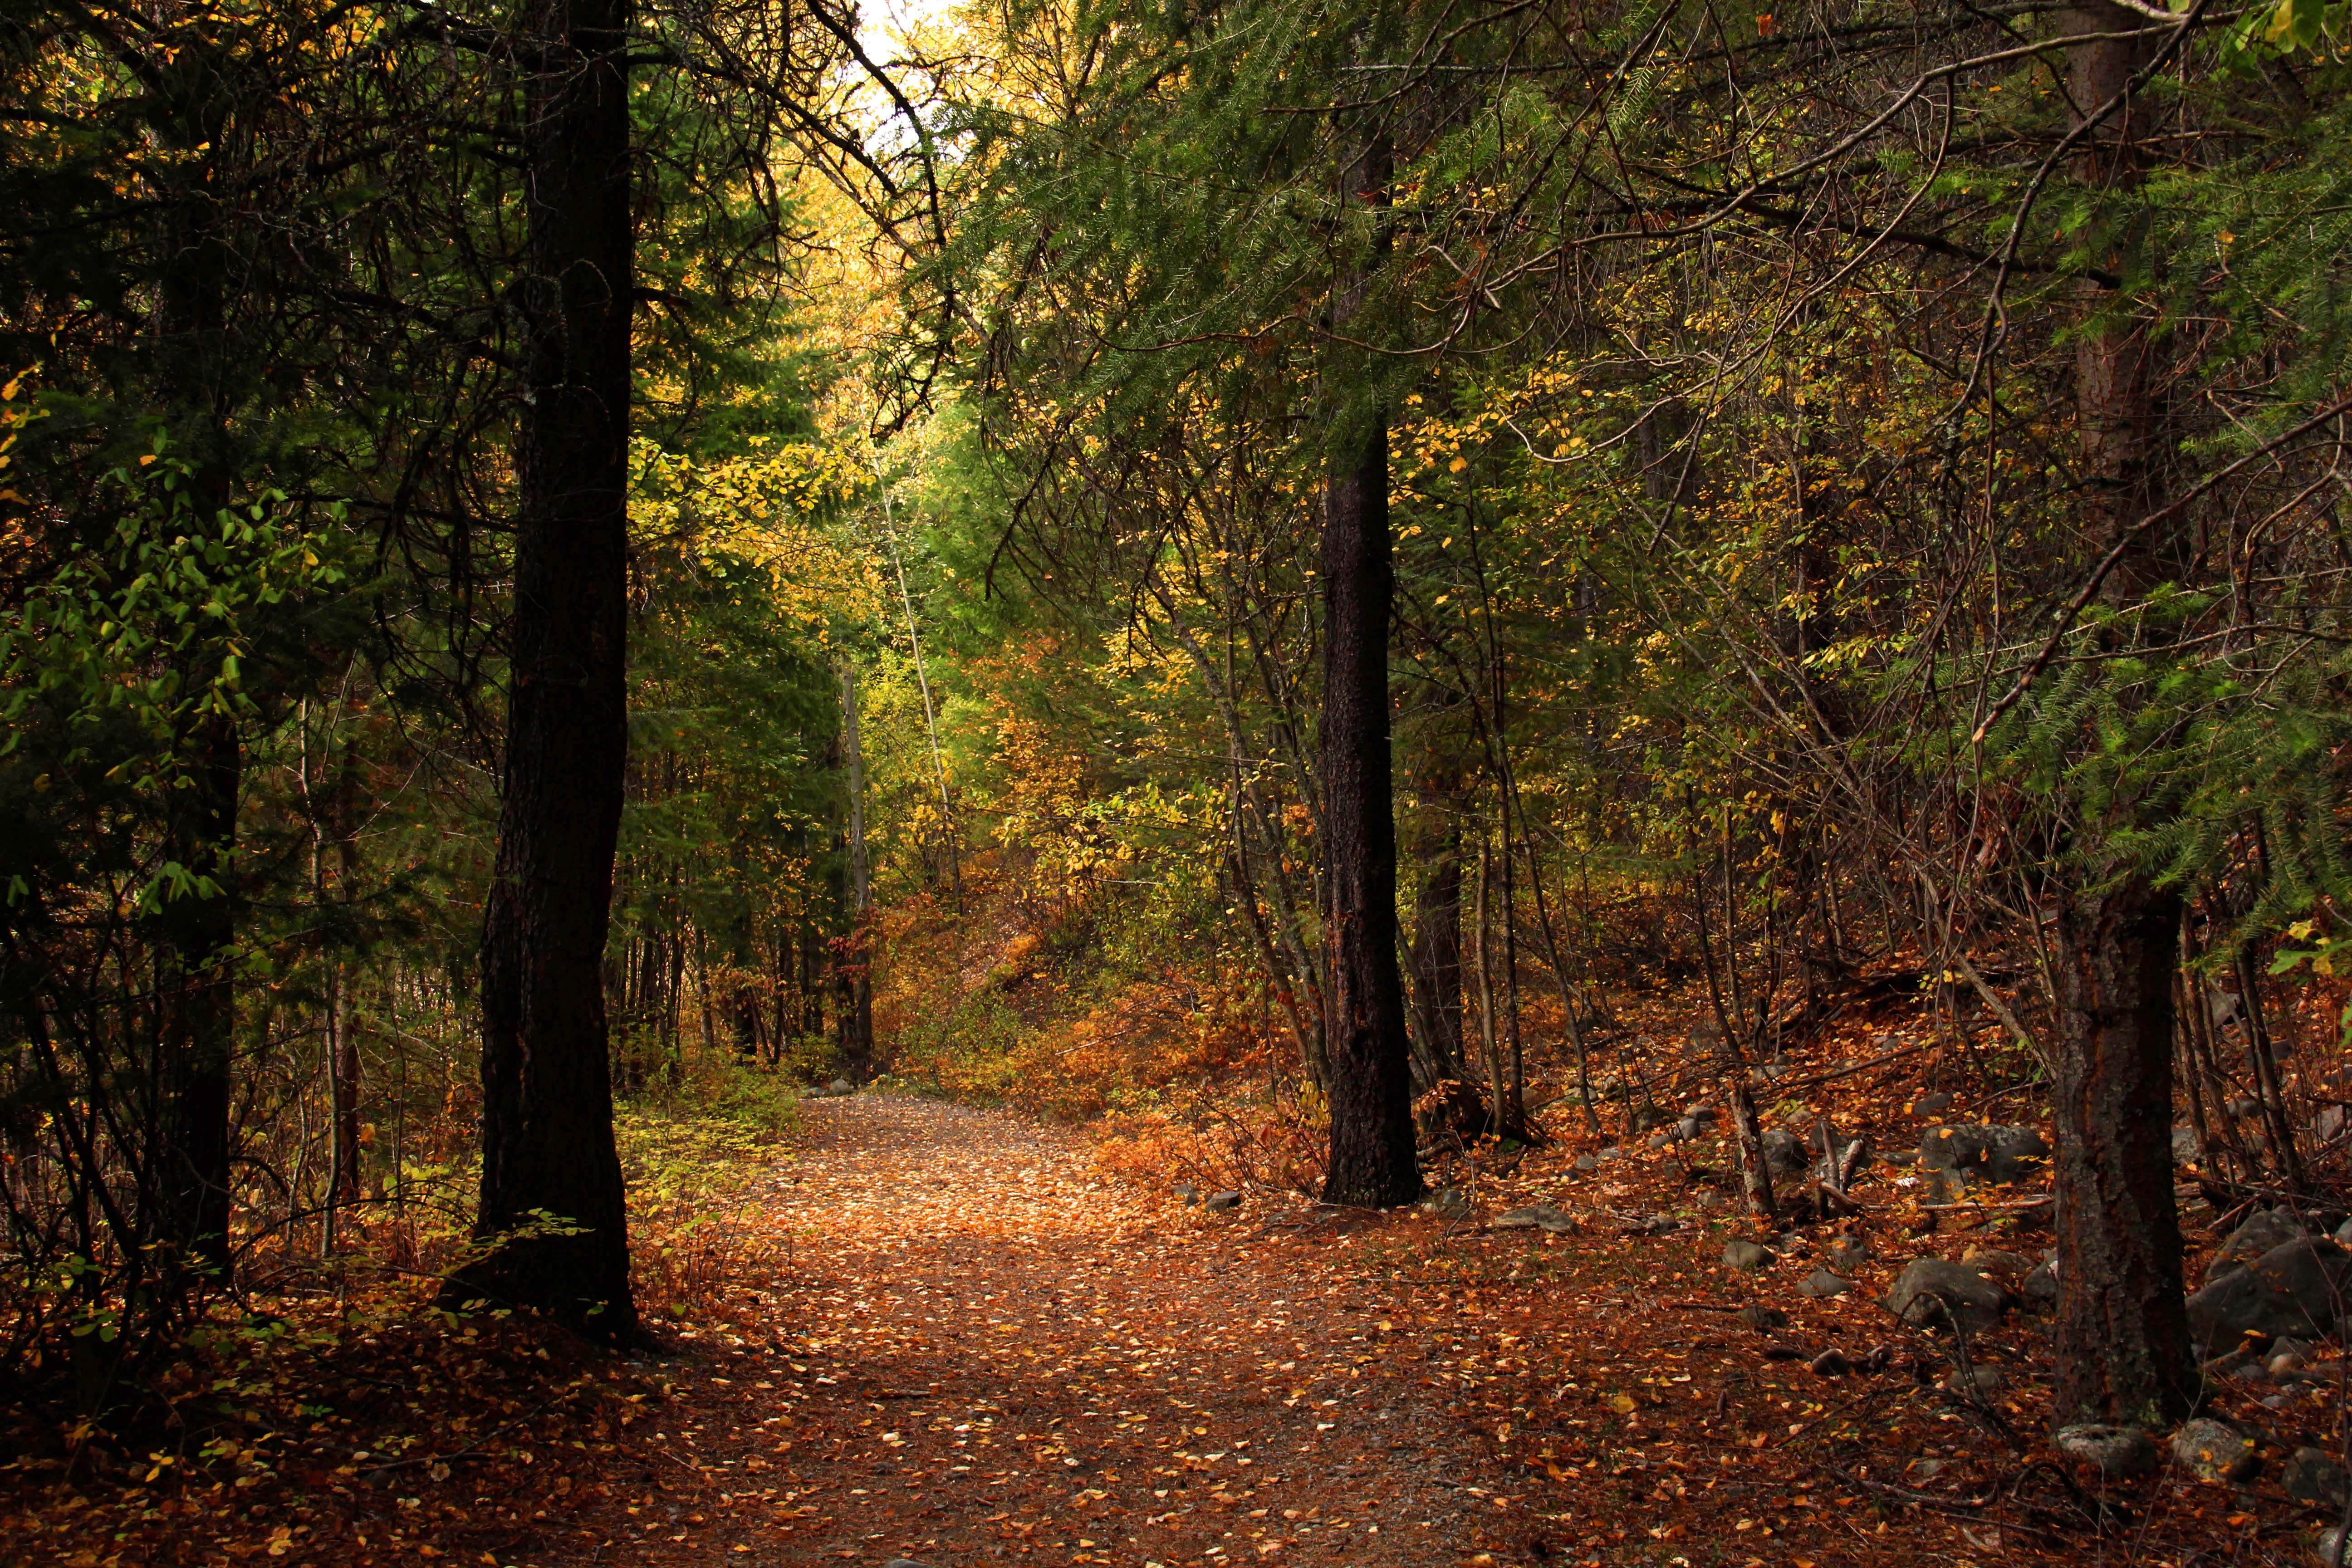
(984, 1354)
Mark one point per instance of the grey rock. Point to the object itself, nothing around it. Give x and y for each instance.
(1847, 1253)
(1762, 1319)
(1928, 1288)
(2184, 1146)
(902, 1563)
(2313, 1476)
(2015, 1155)
(2119, 1453)
(1952, 1185)
(1588, 1163)
(1612, 1152)
(1741, 1253)
(1784, 1152)
(2329, 1547)
(2263, 1230)
(1978, 1383)
(1663, 1141)
(842, 1086)
(1448, 1205)
(1219, 1202)
(1535, 1217)
(1689, 1128)
(2344, 1233)
(1821, 1283)
(2245, 1106)
(1999, 1265)
(1928, 1469)
(1954, 1148)
(2039, 1290)
(1187, 1192)
(1900, 1158)
(2297, 1289)
(1649, 1117)
(1701, 1112)
(1934, 1104)
(2215, 1452)
(2329, 1123)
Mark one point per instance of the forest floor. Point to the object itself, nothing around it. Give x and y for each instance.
(963, 1343)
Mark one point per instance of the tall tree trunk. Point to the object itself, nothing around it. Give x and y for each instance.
(199, 932)
(547, 1107)
(858, 972)
(2122, 1336)
(1372, 1156)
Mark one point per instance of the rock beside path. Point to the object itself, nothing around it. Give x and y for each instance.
(2313, 1476)
(2264, 1230)
(1929, 1288)
(2215, 1452)
(1741, 1253)
(2117, 1452)
(2296, 1288)
(1536, 1216)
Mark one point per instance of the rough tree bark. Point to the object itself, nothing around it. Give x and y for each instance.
(552, 1227)
(2123, 1351)
(1372, 1156)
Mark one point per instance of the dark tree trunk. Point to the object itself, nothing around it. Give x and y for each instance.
(1372, 1156)
(2122, 1336)
(199, 932)
(547, 1110)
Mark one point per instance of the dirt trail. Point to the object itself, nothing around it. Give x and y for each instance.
(982, 1354)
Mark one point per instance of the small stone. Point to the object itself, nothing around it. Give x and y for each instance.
(1448, 1205)
(1784, 1152)
(1934, 1104)
(1847, 1254)
(2014, 1155)
(1998, 1265)
(2215, 1452)
(1953, 1148)
(1763, 1318)
(1588, 1163)
(1928, 1469)
(1663, 1141)
(2329, 1123)
(1831, 1362)
(1821, 1283)
(1536, 1216)
(1741, 1253)
(902, 1563)
(2039, 1290)
(1980, 1383)
(1688, 1129)
(2313, 1476)
(2184, 1146)
(1649, 1117)
(2245, 1106)
(1219, 1202)
(1187, 1192)
(842, 1086)
(1929, 1288)
(2119, 1453)
(2330, 1546)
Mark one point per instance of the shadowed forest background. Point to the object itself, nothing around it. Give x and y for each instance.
(1444, 644)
